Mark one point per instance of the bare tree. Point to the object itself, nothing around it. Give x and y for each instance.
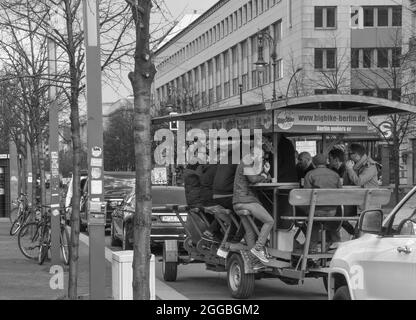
(141, 80)
(333, 75)
(392, 77)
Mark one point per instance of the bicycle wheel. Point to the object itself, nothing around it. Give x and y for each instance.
(44, 245)
(28, 240)
(17, 224)
(14, 214)
(64, 245)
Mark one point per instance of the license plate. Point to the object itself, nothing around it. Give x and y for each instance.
(171, 218)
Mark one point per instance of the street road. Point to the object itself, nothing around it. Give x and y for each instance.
(196, 283)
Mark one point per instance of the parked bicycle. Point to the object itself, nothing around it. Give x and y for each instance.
(21, 214)
(34, 238)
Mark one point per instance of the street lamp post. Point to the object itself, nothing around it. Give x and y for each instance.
(260, 63)
(291, 78)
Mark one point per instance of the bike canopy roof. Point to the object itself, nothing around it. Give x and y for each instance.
(317, 114)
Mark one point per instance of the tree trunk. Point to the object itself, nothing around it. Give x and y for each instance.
(396, 167)
(75, 219)
(141, 80)
(41, 159)
(33, 153)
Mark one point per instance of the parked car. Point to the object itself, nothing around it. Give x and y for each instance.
(116, 186)
(68, 196)
(165, 224)
(381, 263)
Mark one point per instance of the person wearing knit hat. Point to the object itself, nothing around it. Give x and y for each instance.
(323, 178)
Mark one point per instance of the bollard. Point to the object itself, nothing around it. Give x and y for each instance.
(122, 276)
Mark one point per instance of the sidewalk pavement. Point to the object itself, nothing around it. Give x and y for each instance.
(24, 279)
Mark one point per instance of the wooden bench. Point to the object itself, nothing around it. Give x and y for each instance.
(364, 198)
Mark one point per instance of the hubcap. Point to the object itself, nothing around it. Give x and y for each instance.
(235, 276)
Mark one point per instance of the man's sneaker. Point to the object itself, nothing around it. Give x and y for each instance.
(259, 254)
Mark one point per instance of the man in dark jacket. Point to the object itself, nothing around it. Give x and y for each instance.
(192, 184)
(304, 166)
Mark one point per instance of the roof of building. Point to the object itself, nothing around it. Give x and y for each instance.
(191, 24)
(178, 27)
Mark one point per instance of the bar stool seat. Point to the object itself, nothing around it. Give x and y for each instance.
(217, 210)
(243, 212)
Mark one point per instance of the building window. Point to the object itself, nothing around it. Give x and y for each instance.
(249, 11)
(255, 8)
(260, 3)
(396, 94)
(367, 58)
(368, 93)
(325, 17)
(277, 30)
(244, 82)
(355, 54)
(231, 23)
(254, 81)
(382, 58)
(240, 17)
(383, 93)
(227, 89)
(325, 91)
(396, 54)
(218, 93)
(245, 14)
(397, 16)
(279, 69)
(382, 16)
(211, 96)
(319, 58)
(235, 86)
(368, 17)
(325, 58)
(331, 59)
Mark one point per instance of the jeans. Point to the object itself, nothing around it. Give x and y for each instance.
(261, 214)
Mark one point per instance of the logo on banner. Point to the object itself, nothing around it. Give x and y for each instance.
(385, 128)
(285, 120)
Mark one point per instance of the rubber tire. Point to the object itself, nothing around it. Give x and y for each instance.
(19, 223)
(125, 244)
(169, 269)
(43, 250)
(26, 226)
(82, 227)
(247, 280)
(65, 254)
(114, 242)
(342, 293)
(13, 214)
(325, 281)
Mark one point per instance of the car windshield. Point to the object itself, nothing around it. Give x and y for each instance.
(117, 184)
(406, 212)
(165, 195)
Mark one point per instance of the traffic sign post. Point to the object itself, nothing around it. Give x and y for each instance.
(96, 214)
(54, 159)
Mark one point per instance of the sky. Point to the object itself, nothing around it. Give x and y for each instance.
(175, 9)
